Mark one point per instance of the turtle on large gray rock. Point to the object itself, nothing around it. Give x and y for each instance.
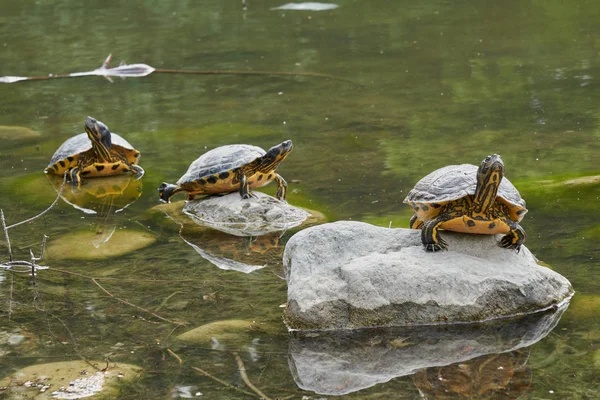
(352, 274)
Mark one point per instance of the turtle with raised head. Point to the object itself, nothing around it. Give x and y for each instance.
(236, 167)
(467, 198)
(97, 152)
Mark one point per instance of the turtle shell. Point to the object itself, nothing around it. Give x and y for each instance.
(221, 159)
(457, 181)
(81, 143)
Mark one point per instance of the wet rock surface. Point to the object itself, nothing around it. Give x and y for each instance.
(256, 216)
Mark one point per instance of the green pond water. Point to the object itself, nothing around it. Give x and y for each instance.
(414, 86)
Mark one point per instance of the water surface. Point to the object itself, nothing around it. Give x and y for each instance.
(420, 86)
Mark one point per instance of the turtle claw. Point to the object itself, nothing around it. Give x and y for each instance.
(507, 243)
(439, 246)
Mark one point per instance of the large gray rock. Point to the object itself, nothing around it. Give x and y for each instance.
(345, 361)
(352, 274)
(256, 216)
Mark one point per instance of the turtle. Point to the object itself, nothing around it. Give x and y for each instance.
(230, 168)
(96, 152)
(467, 198)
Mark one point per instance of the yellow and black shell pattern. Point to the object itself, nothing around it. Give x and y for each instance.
(454, 182)
(69, 152)
(216, 168)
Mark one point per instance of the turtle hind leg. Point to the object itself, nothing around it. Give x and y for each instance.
(514, 238)
(167, 190)
(416, 223)
(430, 235)
(281, 188)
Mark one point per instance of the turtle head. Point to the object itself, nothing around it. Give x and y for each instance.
(489, 176)
(98, 132)
(100, 136)
(275, 155)
(166, 191)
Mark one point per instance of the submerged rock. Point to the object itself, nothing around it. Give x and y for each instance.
(226, 334)
(257, 216)
(17, 133)
(352, 274)
(98, 244)
(346, 361)
(68, 380)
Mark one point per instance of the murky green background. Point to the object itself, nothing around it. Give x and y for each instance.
(422, 85)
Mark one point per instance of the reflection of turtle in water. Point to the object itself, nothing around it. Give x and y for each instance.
(464, 198)
(495, 376)
(97, 152)
(104, 197)
(101, 196)
(229, 252)
(225, 169)
(262, 244)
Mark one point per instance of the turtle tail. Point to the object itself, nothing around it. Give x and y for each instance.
(166, 191)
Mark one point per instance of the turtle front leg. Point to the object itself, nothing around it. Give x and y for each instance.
(514, 238)
(138, 171)
(244, 188)
(282, 188)
(415, 223)
(74, 176)
(430, 235)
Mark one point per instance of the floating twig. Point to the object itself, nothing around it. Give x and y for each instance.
(133, 305)
(171, 352)
(140, 70)
(242, 370)
(5, 229)
(222, 382)
(62, 187)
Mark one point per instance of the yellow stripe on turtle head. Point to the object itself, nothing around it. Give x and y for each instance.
(275, 155)
(99, 135)
(489, 176)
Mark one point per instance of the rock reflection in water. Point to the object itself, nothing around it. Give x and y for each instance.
(239, 234)
(229, 252)
(103, 197)
(341, 362)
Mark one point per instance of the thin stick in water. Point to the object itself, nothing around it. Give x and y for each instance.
(222, 382)
(135, 306)
(242, 370)
(46, 210)
(10, 256)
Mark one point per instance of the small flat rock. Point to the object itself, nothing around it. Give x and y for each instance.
(352, 274)
(256, 216)
(586, 180)
(226, 333)
(17, 133)
(96, 245)
(68, 380)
